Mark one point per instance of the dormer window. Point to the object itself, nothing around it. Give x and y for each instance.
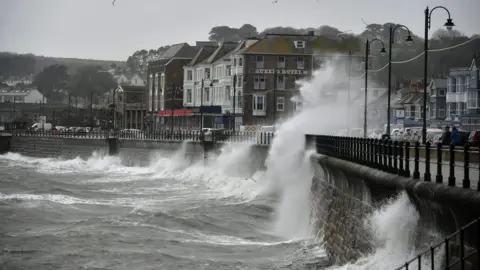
(300, 44)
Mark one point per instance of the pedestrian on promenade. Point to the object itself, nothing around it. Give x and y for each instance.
(455, 136)
(446, 136)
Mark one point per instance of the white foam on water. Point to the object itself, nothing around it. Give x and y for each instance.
(394, 228)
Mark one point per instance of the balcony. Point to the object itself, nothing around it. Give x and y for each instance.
(456, 97)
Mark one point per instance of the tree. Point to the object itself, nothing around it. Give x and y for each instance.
(91, 79)
(51, 79)
(326, 30)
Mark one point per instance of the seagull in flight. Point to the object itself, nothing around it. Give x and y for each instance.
(113, 3)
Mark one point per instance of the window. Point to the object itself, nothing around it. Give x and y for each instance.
(259, 82)
(451, 87)
(300, 62)
(240, 62)
(189, 75)
(280, 104)
(228, 93)
(229, 70)
(441, 110)
(472, 99)
(280, 82)
(467, 82)
(239, 80)
(441, 92)
(260, 61)
(239, 100)
(234, 62)
(258, 102)
(433, 110)
(206, 97)
(281, 62)
(262, 82)
(207, 73)
(300, 44)
(189, 95)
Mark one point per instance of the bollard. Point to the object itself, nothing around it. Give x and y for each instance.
(439, 177)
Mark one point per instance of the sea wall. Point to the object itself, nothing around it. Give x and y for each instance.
(132, 152)
(347, 192)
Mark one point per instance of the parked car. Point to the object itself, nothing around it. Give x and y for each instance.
(474, 138)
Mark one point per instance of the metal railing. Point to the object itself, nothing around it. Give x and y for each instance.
(406, 160)
(455, 252)
(260, 138)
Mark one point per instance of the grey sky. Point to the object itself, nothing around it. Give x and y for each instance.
(96, 29)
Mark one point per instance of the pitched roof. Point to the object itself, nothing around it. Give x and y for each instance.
(411, 98)
(179, 50)
(202, 54)
(475, 62)
(238, 49)
(285, 44)
(132, 88)
(221, 51)
(440, 83)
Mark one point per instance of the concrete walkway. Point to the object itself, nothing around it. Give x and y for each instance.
(459, 172)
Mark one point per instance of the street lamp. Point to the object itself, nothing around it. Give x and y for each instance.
(367, 52)
(449, 25)
(409, 41)
(234, 99)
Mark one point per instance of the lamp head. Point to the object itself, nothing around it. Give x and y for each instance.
(409, 40)
(449, 24)
(383, 52)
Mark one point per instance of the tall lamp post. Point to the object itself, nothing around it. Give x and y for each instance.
(367, 52)
(234, 99)
(201, 106)
(449, 25)
(409, 41)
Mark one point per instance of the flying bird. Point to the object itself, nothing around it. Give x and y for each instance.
(113, 3)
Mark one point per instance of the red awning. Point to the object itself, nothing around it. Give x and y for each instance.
(179, 112)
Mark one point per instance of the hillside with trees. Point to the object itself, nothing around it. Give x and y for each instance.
(439, 62)
(20, 65)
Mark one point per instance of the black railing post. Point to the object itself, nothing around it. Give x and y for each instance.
(375, 151)
(372, 153)
(400, 159)
(427, 176)
(439, 176)
(466, 166)
(395, 157)
(416, 172)
(390, 154)
(385, 154)
(451, 177)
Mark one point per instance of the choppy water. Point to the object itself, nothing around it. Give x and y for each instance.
(96, 213)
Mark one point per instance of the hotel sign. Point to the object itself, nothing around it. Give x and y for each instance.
(279, 71)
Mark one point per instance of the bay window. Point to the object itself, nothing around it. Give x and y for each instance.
(472, 99)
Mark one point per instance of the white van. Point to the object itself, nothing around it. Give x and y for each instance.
(41, 126)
